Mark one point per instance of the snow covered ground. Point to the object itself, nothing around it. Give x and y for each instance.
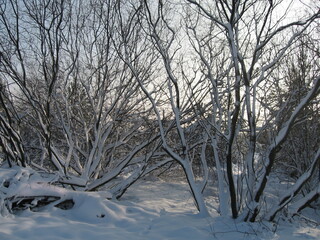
(149, 210)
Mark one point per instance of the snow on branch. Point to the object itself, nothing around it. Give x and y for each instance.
(295, 188)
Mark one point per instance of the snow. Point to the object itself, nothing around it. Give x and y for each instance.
(151, 209)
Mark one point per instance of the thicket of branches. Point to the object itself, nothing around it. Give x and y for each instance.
(104, 92)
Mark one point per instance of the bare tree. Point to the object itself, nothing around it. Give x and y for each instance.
(10, 138)
(105, 92)
(250, 32)
(158, 39)
(83, 114)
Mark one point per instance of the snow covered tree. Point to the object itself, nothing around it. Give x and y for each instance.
(83, 115)
(10, 138)
(298, 154)
(161, 42)
(105, 92)
(245, 37)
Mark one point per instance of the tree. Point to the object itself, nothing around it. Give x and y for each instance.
(253, 53)
(83, 115)
(10, 137)
(161, 42)
(105, 92)
(298, 155)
